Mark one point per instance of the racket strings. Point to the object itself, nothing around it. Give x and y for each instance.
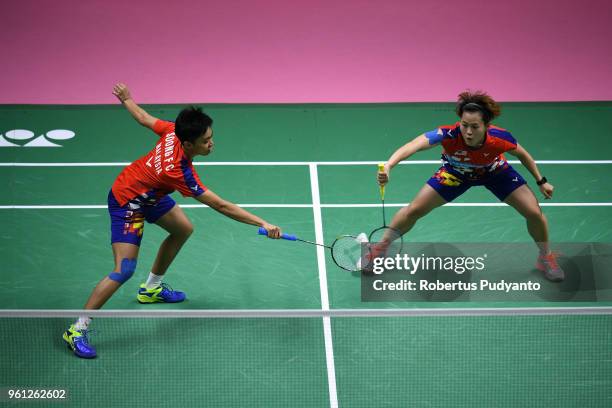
(347, 251)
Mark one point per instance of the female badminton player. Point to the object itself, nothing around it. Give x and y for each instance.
(473, 155)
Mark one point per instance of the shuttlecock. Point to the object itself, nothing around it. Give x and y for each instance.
(362, 239)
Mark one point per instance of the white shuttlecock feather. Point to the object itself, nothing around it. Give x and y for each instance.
(362, 238)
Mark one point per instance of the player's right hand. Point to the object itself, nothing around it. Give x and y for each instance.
(383, 176)
(273, 231)
(122, 92)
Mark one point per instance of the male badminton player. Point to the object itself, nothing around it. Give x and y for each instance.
(473, 155)
(140, 193)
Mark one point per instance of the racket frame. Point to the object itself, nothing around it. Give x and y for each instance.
(355, 269)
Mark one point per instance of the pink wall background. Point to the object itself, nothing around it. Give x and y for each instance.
(73, 51)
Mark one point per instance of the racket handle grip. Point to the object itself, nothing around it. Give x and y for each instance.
(263, 231)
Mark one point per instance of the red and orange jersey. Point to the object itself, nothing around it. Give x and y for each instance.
(160, 172)
(468, 161)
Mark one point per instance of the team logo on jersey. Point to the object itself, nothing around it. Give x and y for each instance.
(26, 138)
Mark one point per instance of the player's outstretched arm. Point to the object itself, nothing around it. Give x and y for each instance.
(122, 93)
(530, 164)
(239, 214)
(415, 145)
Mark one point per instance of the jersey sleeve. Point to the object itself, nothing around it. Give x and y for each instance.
(161, 127)
(439, 134)
(185, 180)
(504, 138)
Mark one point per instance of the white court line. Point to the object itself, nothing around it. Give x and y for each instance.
(95, 207)
(327, 332)
(100, 164)
(542, 204)
(296, 163)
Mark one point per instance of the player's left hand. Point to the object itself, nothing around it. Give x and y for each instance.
(273, 231)
(547, 190)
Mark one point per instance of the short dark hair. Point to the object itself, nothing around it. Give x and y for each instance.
(191, 123)
(478, 101)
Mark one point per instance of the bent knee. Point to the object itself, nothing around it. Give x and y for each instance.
(534, 214)
(185, 230)
(189, 229)
(123, 270)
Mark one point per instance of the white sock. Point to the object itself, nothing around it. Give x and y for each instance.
(153, 281)
(82, 323)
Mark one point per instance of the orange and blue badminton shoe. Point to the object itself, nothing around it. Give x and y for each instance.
(548, 264)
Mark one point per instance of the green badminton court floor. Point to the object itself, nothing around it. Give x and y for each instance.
(291, 164)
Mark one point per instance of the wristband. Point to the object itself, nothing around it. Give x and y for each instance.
(543, 180)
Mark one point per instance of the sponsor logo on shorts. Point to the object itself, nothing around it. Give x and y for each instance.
(134, 223)
(447, 179)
